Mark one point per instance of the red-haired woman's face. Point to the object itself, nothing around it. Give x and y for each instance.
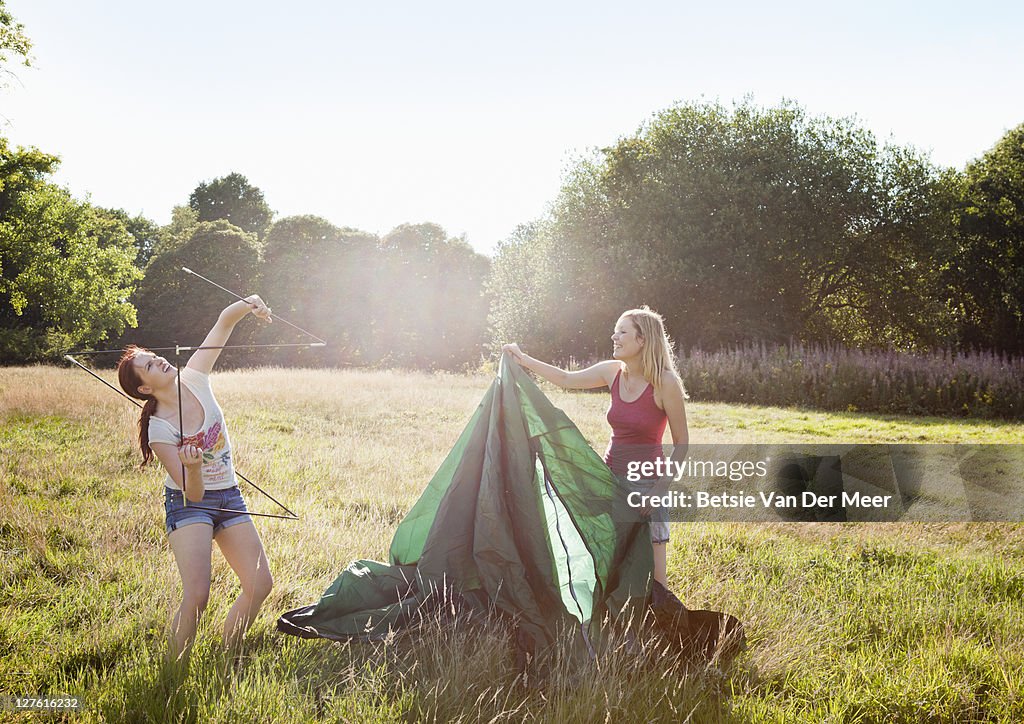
(626, 340)
(154, 372)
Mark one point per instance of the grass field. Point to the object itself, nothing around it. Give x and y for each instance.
(845, 622)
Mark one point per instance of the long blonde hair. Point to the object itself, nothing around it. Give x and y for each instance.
(656, 357)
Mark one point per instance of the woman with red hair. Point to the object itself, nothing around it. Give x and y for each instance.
(200, 478)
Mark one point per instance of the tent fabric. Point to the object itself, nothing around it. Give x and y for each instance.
(518, 518)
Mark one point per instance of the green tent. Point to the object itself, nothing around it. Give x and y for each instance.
(517, 518)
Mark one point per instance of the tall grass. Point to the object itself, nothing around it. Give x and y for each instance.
(846, 623)
(974, 384)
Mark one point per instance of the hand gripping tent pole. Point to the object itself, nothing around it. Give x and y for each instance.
(178, 349)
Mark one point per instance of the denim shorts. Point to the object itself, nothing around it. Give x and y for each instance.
(178, 514)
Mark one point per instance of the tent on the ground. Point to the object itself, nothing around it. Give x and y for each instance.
(520, 518)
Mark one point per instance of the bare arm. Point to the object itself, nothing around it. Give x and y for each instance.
(173, 458)
(600, 375)
(673, 403)
(204, 359)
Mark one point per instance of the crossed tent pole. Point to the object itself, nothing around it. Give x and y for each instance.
(178, 349)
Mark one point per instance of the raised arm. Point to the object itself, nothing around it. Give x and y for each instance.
(204, 359)
(600, 375)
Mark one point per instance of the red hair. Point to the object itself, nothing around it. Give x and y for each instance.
(130, 381)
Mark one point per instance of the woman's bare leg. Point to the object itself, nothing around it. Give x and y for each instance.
(243, 549)
(191, 545)
(661, 563)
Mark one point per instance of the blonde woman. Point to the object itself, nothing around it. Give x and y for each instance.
(647, 394)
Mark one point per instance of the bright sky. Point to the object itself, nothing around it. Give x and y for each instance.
(467, 113)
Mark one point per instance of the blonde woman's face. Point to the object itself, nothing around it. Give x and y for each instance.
(626, 340)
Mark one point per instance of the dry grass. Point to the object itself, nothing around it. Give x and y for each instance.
(846, 622)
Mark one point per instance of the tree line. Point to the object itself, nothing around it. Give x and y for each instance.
(412, 298)
(76, 276)
(741, 225)
(752, 225)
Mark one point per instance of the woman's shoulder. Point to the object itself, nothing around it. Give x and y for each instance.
(161, 430)
(670, 377)
(194, 375)
(198, 382)
(672, 383)
(610, 370)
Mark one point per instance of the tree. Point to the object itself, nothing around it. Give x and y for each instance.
(413, 298)
(744, 225)
(13, 41)
(988, 270)
(529, 303)
(66, 268)
(144, 231)
(438, 316)
(321, 274)
(176, 234)
(233, 199)
(176, 308)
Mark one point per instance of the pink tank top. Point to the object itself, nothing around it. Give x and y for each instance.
(637, 428)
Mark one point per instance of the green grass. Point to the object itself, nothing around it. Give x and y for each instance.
(846, 622)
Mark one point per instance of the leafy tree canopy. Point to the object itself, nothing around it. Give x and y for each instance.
(175, 307)
(66, 268)
(144, 231)
(989, 267)
(14, 43)
(233, 199)
(738, 225)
